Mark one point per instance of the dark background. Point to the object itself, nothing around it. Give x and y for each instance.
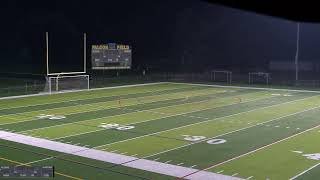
(166, 35)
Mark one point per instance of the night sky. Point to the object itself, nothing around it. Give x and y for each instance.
(186, 35)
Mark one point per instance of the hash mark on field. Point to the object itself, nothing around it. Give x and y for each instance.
(168, 161)
(219, 172)
(298, 128)
(287, 127)
(135, 155)
(277, 126)
(156, 159)
(180, 164)
(193, 166)
(124, 153)
(234, 174)
(113, 151)
(250, 177)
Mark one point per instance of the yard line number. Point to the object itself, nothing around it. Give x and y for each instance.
(198, 138)
(116, 126)
(50, 116)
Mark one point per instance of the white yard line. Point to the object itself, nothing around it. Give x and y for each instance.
(98, 104)
(74, 91)
(197, 142)
(214, 120)
(128, 161)
(305, 171)
(46, 94)
(153, 119)
(263, 147)
(99, 108)
(246, 87)
(147, 110)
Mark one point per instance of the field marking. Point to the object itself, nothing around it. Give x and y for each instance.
(241, 129)
(246, 87)
(23, 164)
(32, 162)
(101, 107)
(128, 161)
(182, 114)
(79, 122)
(46, 94)
(117, 107)
(263, 147)
(305, 171)
(136, 111)
(215, 120)
(75, 91)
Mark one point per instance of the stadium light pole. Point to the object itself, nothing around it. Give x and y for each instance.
(47, 52)
(84, 52)
(297, 52)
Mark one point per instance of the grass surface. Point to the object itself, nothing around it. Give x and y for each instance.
(248, 133)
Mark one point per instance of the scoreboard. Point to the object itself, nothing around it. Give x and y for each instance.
(111, 56)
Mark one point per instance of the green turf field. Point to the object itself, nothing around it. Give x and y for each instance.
(242, 132)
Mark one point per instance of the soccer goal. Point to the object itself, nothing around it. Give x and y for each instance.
(68, 83)
(221, 76)
(259, 78)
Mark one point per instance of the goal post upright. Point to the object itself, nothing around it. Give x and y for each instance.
(47, 52)
(53, 78)
(68, 73)
(84, 52)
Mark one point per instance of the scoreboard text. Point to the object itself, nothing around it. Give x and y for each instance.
(111, 56)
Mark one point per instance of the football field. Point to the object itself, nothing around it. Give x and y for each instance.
(165, 131)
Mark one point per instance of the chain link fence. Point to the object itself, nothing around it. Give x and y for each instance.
(24, 87)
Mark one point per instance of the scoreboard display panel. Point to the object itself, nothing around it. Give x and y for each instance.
(111, 56)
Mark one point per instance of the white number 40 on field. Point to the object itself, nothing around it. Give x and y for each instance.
(198, 138)
(116, 126)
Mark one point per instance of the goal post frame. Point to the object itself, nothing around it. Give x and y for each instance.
(67, 73)
(228, 74)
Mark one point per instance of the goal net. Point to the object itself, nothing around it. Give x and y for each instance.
(259, 78)
(221, 76)
(67, 83)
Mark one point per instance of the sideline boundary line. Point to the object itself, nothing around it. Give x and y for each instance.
(245, 87)
(142, 164)
(93, 89)
(81, 99)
